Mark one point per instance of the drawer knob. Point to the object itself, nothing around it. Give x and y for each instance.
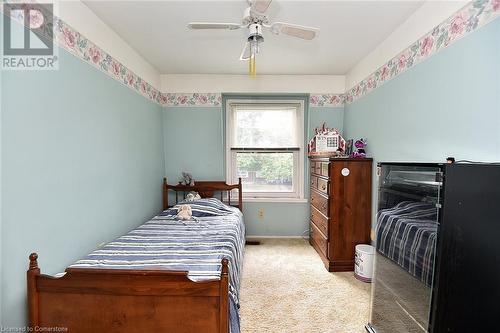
(345, 172)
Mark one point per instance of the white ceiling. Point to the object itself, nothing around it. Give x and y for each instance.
(157, 30)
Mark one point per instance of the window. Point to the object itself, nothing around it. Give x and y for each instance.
(265, 147)
(331, 142)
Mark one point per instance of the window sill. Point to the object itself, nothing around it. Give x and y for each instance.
(284, 200)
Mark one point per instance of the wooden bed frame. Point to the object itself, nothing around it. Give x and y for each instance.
(206, 189)
(125, 301)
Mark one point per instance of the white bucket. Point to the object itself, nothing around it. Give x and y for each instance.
(363, 263)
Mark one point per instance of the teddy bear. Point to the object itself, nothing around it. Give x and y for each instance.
(184, 212)
(187, 179)
(192, 196)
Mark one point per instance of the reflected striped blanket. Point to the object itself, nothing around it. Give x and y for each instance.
(406, 234)
(197, 246)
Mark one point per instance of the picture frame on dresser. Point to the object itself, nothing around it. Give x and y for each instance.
(340, 203)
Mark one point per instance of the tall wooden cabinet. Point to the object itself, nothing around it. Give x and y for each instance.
(341, 191)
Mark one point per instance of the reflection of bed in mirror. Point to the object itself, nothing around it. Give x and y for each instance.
(406, 231)
(436, 259)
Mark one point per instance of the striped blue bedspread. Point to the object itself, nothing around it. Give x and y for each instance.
(406, 234)
(217, 231)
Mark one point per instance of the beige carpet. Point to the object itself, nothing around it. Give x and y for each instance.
(286, 288)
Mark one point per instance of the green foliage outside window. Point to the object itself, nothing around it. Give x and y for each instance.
(271, 166)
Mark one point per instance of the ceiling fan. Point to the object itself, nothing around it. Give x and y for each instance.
(255, 19)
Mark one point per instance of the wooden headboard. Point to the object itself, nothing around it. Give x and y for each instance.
(206, 189)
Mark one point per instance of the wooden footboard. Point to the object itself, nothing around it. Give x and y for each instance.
(123, 301)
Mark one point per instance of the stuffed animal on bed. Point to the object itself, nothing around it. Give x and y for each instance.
(187, 179)
(192, 196)
(184, 212)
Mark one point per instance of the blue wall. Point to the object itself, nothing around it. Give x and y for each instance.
(334, 117)
(449, 105)
(194, 142)
(82, 163)
(83, 156)
(1, 186)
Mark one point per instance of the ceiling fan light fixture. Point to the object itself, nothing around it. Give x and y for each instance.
(255, 32)
(254, 50)
(255, 19)
(252, 66)
(254, 39)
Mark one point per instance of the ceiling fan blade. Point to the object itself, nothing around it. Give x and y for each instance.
(208, 25)
(260, 6)
(245, 53)
(294, 30)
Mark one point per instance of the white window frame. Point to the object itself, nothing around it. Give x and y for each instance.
(298, 175)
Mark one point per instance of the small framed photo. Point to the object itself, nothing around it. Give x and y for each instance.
(348, 147)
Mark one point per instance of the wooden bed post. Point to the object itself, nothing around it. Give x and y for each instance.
(240, 194)
(224, 297)
(33, 273)
(165, 193)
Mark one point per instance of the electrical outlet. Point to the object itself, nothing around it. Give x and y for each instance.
(260, 214)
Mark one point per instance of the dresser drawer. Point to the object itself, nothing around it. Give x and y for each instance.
(320, 202)
(320, 243)
(314, 182)
(317, 169)
(322, 185)
(319, 221)
(313, 167)
(321, 168)
(325, 169)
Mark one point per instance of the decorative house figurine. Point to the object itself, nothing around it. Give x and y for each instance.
(326, 141)
(360, 148)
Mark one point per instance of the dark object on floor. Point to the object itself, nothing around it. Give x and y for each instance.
(466, 287)
(406, 231)
(252, 242)
(458, 290)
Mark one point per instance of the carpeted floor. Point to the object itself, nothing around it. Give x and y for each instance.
(286, 288)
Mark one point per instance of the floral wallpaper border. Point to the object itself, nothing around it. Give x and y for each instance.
(75, 43)
(327, 100)
(468, 19)
(193, 99)
(471, 17)
(215, 99)
(80, 46)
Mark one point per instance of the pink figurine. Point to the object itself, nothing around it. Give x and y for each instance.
(360, 146)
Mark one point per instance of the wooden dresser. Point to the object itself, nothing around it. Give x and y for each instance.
(341, 191)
